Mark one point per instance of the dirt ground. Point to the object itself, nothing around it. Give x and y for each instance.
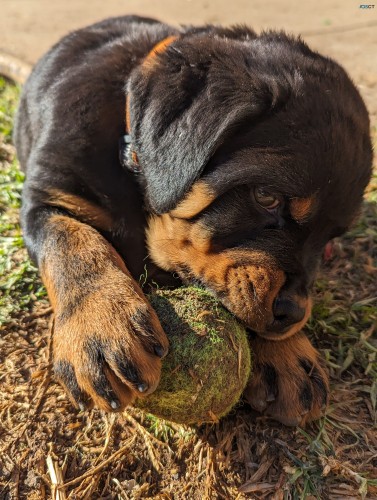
(45, 442)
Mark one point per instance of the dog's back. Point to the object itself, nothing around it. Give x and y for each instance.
(95, 60)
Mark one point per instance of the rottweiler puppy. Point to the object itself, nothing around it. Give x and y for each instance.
(204, 155)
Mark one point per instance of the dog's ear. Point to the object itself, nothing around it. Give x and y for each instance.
(183, 103)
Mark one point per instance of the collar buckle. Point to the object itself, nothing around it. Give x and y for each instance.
(127, 156)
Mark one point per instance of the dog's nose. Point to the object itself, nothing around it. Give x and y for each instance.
(286, 313)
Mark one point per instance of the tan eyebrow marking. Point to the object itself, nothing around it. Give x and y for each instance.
(198, 198)
(302, 208)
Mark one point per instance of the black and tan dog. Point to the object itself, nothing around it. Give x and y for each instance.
(240, 157)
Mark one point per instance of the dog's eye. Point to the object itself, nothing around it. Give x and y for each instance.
(265, 199)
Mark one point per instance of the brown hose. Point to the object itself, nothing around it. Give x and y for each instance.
(13, 68)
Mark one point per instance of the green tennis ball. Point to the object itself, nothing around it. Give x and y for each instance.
(208, 364)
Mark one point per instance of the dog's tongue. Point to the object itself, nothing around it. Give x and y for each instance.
(328, 251)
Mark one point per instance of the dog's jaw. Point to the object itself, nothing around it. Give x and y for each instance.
(246, 281)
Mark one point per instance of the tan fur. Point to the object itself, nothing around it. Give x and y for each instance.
(302, 208)
(96, 301)
(248, 290)
(285, 358)
(159, 48)
(128, 116)
(81, 208)
(148, 63)
(200, 197)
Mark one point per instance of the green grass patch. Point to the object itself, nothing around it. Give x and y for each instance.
(19, 282)
(9, 95)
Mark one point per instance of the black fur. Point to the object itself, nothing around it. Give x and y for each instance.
(271, 379)
(306, 396)
(239, 109)
(236, 109)
(65, 373)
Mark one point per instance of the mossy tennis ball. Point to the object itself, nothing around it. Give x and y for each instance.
(208, 364)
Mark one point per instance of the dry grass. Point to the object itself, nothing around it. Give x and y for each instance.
(50, 450)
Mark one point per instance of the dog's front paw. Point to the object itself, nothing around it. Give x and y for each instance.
(288, 382)
(108, 348)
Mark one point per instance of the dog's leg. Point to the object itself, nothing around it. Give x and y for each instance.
(288, 381)
(108, 342)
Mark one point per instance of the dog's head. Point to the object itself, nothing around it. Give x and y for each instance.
(255, 152)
